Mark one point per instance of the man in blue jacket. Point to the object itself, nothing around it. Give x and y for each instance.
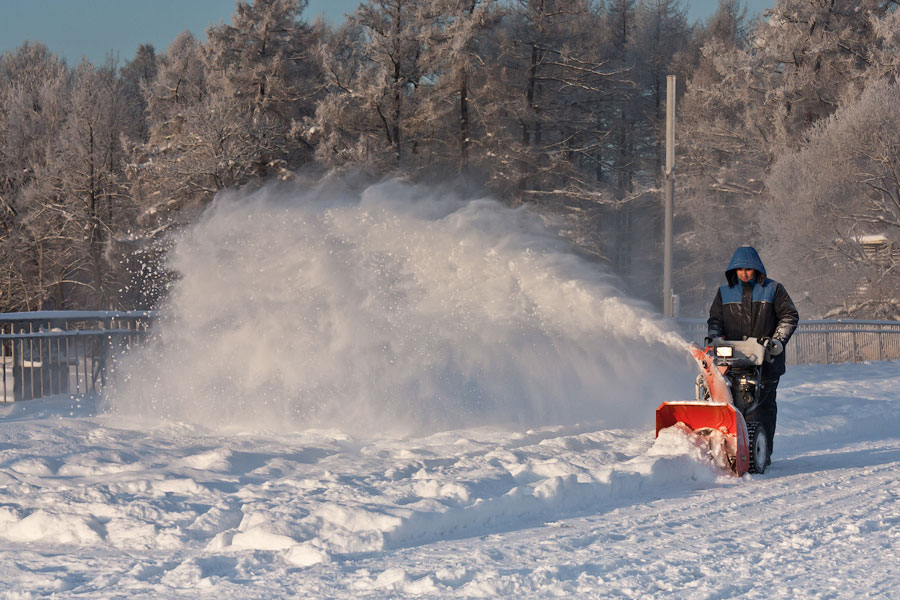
(751, 305)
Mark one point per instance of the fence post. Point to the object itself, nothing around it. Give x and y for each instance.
(3, 352)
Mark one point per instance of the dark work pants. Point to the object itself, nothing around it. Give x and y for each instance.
(767, 411)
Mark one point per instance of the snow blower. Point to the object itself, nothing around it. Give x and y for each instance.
(728, 389)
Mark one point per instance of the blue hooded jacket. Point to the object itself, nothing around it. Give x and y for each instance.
(745, 257)
(759, 308)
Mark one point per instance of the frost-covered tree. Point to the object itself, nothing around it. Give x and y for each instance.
(373, 75)
(649, 52)
(558, 103)
(457, 49)
(728, 24)
(180, 83)
(136, 75)
(87, 169)
(34, 91)
(218, 146)
(228, 112)
(557, 77)
(813, 52)
(661, 34)
(74, 208)
(723, 156)
(748, 105)
(173, 97)
(834, 220)
(265, 61)
(620, 20)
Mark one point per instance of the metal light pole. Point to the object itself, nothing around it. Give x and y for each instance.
(668, 299)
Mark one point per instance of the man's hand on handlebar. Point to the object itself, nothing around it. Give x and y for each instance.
(774, 346)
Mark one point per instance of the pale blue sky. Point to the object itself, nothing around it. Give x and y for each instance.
(74, 28)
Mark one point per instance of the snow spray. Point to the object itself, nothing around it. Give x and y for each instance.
(394, 307)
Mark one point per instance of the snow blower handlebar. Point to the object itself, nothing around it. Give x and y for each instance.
(742, 353)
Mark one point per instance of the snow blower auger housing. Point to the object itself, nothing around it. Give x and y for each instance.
(728, 389)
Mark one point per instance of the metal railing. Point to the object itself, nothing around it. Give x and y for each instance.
(71, 352)
(64, 352)
(827, 342)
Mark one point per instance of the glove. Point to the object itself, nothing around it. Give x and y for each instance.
(776, 347)
(707, 341)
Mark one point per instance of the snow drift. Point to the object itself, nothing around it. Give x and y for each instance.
(394, 308)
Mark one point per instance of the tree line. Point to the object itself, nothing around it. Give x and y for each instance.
(787, 136)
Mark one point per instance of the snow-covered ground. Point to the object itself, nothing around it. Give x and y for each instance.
(397, 391)
(90, 507)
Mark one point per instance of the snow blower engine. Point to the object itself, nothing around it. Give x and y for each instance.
(728, 390)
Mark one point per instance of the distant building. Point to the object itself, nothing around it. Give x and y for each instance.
(879, 249)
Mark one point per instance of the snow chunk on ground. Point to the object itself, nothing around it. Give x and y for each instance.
(49, 528)
(707, 447)
(305, 555)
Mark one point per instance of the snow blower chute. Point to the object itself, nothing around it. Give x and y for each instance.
(728, 389)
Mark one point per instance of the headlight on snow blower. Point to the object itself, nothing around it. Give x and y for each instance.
(724, 351)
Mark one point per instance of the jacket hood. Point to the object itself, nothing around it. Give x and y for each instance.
(745, 257)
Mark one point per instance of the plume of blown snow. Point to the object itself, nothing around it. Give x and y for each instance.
(393, 308)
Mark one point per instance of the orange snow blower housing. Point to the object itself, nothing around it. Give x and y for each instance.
(713, 411)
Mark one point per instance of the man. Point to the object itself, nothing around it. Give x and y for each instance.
(750, 305)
